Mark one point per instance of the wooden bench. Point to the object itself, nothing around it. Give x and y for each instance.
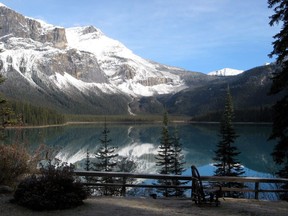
(202, 194)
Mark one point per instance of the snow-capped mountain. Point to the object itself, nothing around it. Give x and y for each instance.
(81, 71)
(75, 64)
(122, 69)
(226, 72)
(126, 71)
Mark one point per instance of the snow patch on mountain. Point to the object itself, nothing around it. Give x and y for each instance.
(65, 81)
(2, 5)
(113, 56)
(226, 72)
(92, 40)
(45, 26)
(133, 88)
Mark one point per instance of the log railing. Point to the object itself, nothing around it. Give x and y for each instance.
(256, 190)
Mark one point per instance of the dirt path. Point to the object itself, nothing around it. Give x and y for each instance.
(119, 206)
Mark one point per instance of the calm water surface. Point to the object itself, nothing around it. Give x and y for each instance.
(140, 141)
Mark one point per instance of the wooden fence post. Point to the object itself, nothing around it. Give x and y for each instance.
(123, 191)
(256, 190)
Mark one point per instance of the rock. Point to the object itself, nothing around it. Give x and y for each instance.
(151, 81)
(14, 24)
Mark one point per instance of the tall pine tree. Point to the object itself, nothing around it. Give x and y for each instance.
(178, 163)
(164, 158)
(280, 86)
(106, 153)
(170, 159)
(106, 159)
(226, 162)
(2, 116)
(87, 161)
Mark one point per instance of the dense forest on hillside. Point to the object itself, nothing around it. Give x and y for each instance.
(251, 115)
(32, 115)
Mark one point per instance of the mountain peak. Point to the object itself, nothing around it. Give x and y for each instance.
(2, 5)
(91, 29)
(45, 26)
(226, 72)
(15, 25)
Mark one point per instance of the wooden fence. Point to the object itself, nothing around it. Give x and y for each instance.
(123, 184)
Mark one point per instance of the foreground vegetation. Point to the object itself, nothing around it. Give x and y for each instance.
(51, 189)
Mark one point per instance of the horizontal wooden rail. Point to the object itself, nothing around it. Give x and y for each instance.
(132, 175)
(137, 185)
(219, 179)
(243, 179)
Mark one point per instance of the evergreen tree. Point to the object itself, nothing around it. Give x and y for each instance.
(164, 158)
(178, 162)
(87, 162)
(88, 167)
(7, 115)
(106, 159)
(27, 114)
(170, 159)
(106, 153)
(280, 85)
(3, 118)
(225, 155)
(178, 157)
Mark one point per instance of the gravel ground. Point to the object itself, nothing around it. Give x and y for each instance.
(119, 206)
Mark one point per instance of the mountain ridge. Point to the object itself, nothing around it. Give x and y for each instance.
(80, 70)
(226, 72)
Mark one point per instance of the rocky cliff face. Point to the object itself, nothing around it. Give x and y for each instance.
(16, 25)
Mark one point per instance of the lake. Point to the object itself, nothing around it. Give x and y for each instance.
(140, 141)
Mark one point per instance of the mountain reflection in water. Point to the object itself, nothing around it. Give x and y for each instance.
(140, 141)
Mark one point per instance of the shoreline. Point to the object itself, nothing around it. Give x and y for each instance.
(130, 122)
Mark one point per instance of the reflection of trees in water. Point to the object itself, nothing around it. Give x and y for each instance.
(199, 141)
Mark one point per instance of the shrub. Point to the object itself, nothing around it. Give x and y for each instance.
(13, 163)
(54, 188)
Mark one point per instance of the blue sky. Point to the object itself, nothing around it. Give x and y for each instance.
(197, 35)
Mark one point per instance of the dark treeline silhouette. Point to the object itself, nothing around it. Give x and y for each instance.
(28, 114)
(263, 114)
(280, 87)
